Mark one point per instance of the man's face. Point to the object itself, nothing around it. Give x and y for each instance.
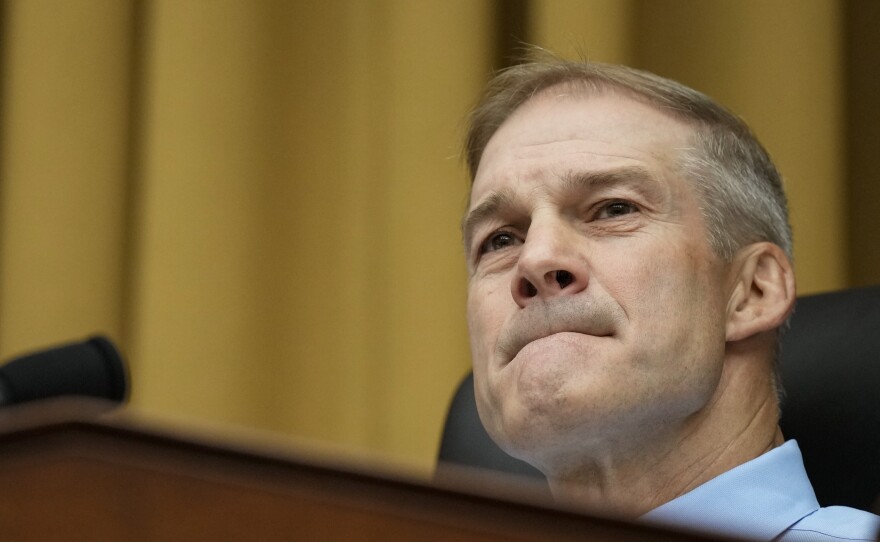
(595, 304)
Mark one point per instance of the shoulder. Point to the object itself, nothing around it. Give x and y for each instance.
(834, 523)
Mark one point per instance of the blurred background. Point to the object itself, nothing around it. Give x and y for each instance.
(259, 200)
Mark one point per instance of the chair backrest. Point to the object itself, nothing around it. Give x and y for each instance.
(831, 375)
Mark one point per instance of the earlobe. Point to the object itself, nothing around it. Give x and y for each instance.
(763, 292)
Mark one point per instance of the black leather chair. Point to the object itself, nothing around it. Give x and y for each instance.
(831, 374)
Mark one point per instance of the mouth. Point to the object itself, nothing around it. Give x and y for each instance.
(592, 319)
(509, 354)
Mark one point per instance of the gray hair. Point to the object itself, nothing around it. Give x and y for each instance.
(743, 200)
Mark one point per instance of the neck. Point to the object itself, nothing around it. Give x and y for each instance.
(738, 424)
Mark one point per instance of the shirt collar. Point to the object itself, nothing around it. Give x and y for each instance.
(759, 499)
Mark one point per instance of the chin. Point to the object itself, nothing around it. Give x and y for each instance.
(528, 431)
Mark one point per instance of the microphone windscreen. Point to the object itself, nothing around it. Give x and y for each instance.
(93, 368)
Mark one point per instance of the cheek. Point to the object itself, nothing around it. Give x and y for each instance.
(488, 303)
(483, 334)
(674, 291)
(488, 306)
(484, 322)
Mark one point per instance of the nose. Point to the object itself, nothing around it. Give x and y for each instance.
(551, 263)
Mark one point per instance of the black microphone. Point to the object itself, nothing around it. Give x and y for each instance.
(93, 368)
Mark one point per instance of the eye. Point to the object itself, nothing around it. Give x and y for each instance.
(616, 208)
(498, 241)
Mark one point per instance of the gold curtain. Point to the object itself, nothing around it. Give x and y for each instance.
(258, 200)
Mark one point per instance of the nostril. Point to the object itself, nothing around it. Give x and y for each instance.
(528, 289)
(564, 278)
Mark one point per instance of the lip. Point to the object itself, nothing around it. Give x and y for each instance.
(537, 342)
(512, 351)
(596, 317)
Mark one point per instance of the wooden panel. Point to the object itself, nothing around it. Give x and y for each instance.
(106, 479)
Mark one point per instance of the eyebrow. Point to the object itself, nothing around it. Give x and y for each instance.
(572, 181)
(489, 207)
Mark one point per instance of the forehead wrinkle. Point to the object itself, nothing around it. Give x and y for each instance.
(643, 180)
(628, 175)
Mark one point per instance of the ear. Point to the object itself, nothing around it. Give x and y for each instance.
(762, 293)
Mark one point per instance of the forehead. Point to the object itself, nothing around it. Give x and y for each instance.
(562, 130)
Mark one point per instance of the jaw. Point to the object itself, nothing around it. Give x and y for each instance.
(569, 402)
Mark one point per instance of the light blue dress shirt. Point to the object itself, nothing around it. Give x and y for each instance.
(768, 498)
